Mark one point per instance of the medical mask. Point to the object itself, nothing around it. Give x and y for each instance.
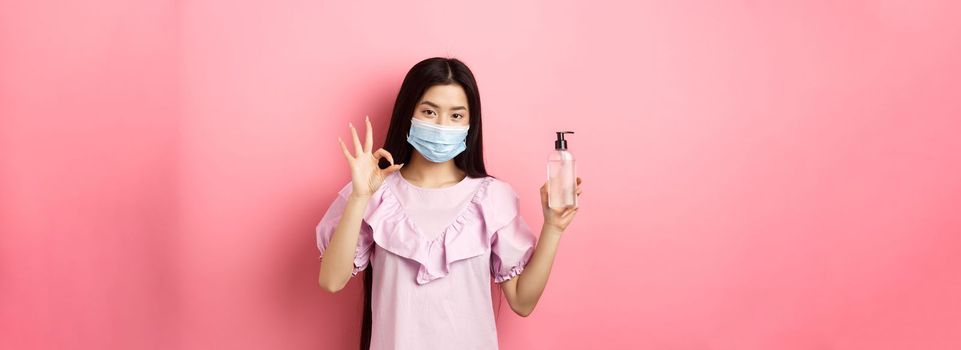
(435, 142)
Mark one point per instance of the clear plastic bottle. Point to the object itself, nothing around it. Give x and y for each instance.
(561, 175)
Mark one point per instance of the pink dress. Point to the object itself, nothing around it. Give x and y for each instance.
(434, 253)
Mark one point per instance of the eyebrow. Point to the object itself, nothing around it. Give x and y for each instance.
(436, 106)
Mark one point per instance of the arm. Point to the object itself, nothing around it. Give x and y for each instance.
(523, 291)
(336, 267)
(337, 264)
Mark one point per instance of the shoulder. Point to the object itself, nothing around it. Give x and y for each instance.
(501, 203)
(499, 192)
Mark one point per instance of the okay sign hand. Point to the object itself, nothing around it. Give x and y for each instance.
(365, 175)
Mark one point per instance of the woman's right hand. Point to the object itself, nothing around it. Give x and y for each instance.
(365, 175)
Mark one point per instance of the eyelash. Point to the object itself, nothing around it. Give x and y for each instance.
(458, 115)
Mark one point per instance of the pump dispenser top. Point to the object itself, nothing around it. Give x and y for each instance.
(561, 143)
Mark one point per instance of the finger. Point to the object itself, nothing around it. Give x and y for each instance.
(353, 133)
(578, 180)
(383, 153)
(578, 192)
(568, 212)
(544, 195)
(369, 139)
(343, 147)
(392, 168)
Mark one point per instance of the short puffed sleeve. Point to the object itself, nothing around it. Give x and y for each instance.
(325, 229)
(513, 241)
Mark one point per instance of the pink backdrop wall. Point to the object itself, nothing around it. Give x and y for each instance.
(757, 175)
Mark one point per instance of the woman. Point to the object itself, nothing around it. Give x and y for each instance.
(431, 226)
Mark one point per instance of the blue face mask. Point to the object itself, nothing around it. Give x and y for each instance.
(437, 143)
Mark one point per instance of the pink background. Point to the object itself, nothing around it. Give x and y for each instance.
(758, 175)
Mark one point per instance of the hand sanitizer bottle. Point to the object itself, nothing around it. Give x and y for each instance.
(561, 176)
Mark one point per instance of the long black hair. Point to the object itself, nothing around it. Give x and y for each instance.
(425, 74)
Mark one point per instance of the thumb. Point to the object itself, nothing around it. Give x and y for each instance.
(544, 195)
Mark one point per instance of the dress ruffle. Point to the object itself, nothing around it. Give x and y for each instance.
(469, 235)
(514, 271)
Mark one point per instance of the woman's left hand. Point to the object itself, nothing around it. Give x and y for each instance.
(558, 218)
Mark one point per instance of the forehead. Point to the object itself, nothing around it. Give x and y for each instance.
(445, 95)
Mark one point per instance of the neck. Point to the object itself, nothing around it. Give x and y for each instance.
(425, 173)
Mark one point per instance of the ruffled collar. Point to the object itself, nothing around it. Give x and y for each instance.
(466, 237)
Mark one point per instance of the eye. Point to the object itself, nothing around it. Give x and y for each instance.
(428, 112)
(458, 117)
